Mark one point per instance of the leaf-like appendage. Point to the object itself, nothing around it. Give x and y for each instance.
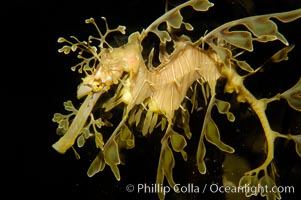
(184, 123)
(86, 132)
(147, 122)
(297, 140)
(80, 141)
(163, 123)
(224, 108)
(125, 133)
(94, 47)
(138, 116)
(153, 123)
(64, 124)
(58, 117)
(244, 66)
(174, 19)
(288, 16)
(168, 163)
(165, 166)
(240, 39)
(262, 27)
(270, 189)
(97, 165)
(282, 54)
(200, 156)
(249, 181)
(99, 140)
(98, 122)
(111, 157)
(63, 120)
(279, 56)
(212, 135)
(293, 96)
(178, 143)
(102, 37)
(127, 138)
(160, 179)
(66, 49)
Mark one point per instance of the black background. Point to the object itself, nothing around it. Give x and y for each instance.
(36, 80)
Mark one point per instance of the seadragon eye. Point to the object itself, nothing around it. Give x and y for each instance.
(96, 86)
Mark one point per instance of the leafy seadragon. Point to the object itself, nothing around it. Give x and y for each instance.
(159, 96)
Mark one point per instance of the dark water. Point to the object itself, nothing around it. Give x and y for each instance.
(42, 81)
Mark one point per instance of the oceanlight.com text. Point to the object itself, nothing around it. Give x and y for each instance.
(212, 188)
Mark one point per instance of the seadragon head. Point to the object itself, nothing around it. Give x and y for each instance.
(111, 63)
(104, 66)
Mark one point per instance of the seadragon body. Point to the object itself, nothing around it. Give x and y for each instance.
(155, 96)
